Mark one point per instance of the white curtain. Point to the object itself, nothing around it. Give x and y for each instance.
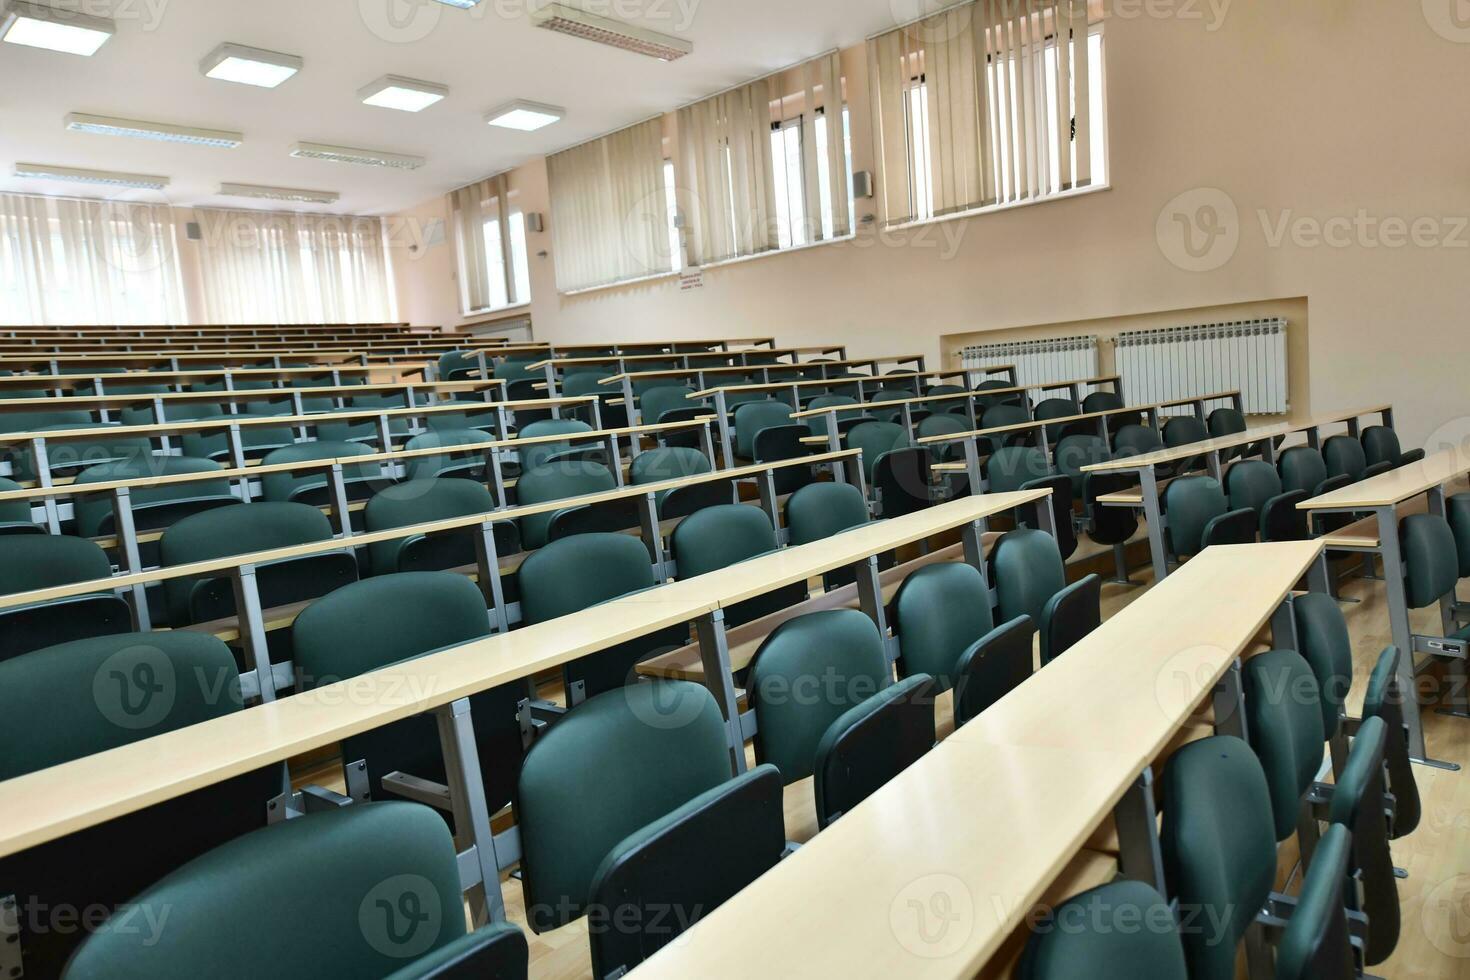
(729, 172)
(67, 261)
(271, 267)
(487, 274)
(973, 106)
(609, 211)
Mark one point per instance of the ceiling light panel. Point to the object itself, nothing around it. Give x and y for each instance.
(348, 154)
(80, 122)
(404, 94)
(279, 193)
(250, 66)
(461, 4)
(45, 172)
(525, 116)
(614, 33)
(69, 32)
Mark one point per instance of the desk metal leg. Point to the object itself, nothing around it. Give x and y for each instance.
(1283, 627)
(870, 597)
(127, 538)
(252, 630)
(714, 653)
(1153, 513)
(479, 869)
(1140, 856)
(1229, 701)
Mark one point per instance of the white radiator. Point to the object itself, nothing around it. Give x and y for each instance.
(1039, 361)
(1180, 362)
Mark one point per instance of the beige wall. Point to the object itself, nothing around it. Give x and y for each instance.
(1312, 109)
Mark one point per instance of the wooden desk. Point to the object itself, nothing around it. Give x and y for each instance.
(991, 816)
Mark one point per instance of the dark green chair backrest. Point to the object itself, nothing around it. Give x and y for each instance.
(667, 463)
(1384, 699)
(456, 365)
(874, 439)
(718, 537)
(1302, 468)
(1252, 483)
(1344, 456)
(1120, 931)
(1190, 503)
(997, 384)
(1055, 408)
(1076, 451)
(311, 485)
(1069, 616)
(38, 561)
(997, 416)
(584, 383)
(1219, 847)
(751, 418)
(1317, 943)
(1181, 430)
(378, 883)
(1283, 716)
(1323, 640)
(255, 440)
(75, 454)
(1027, 570)
(576, 573)
(15, 515)
(1357, 804)
(818, 423)
(992, 667)
(1381, 445)
(940, 611)
(944, 424)
(29, 562)
(636, 754)
(519, 369)
(820, 510)
(806, 675)
(1457, 511)
(459, 464)
(153, 507)
(1431, 559)
(1012, 467)
(871, 743)
(476, 415)
(667, 398)
(1226, 422)
(1102, 401)
(573, 478)
(419, 502)
(1137, 440)
(540, 454)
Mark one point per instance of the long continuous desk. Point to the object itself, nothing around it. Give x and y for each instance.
(930, 875)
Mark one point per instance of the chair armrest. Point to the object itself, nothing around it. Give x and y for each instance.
(1378, 469)
(1412, 456)
(496, 952)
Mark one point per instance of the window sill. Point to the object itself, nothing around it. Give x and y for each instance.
(997, 208)
(494, 312)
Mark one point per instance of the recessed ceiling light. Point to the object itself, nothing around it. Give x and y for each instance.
(46, 172)
(614, 33)
(80, 122)
(67, 31)
(461, 4)
(279, 193)
(525, 116)
(405, 94)
(348, 154)
(250, 66)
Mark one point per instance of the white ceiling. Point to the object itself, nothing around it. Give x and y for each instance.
(487, 56)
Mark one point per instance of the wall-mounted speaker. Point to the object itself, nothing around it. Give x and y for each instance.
(193, 232)
(862, 184)
(535, 221)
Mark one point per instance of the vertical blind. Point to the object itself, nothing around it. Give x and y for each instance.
(67, 261)
(270, 267)
(728, 171)
(470, 208)
(979, 105)
(609, 214)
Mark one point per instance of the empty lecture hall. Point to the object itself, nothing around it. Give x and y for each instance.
(734, 489)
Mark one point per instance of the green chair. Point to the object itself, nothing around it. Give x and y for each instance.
(153, 507)
(255, 440)
(67, 702)
(635, 754)
(673, 463)
(818, 423)
(902, 480)
(996, 384)
(1102, 401)
(15, 515)
(1114, 526)
(1119, 931)
(808, 674)
(1431, 562)
(1317, 943)
(583, 571)
(820, 510)
(752, 418)
(539, 486)
(40, 561)
(461, 365)
(1223, 422)
(1182, 430)
(542, 454)
(1384, 699)
(992, 667)
(871, 743)
(874, 438)
(1069, 616)
(243, 529)
(1323, 640)
(77, 454)
(423, 501)
(1074, 452)
(466, 464)
(1344, 456)
(386, 620)
(1457, 511)
(882, 396)
(313, 487)
(1381, 445)
(943, 408)
(670, 403)
(1358, 806)
(695, 859)
(718, 537)
(1252, 484)
(519, 369)
(1027, 570)
(1199, 517)
(1012, 467)
(360, 431)
(944, 424)
(780, 443)
(1284, 720)
(1055, 408)
(1303, 468)
(371, 890)
(938, 613)
(1136, 440)
(477, 414)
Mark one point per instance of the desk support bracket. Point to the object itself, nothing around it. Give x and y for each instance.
(1140, 854)
(714, 654)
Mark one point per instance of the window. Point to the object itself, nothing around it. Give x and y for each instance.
(671, 202)
(824, 172)
(789, 183)
(487, 227)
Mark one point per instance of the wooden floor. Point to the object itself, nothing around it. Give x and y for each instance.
(1435, 899)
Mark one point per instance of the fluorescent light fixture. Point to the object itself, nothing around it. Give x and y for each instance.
(461, 4)
(80, 122)
(279, 193)
(525, 116)
(45, 172)
(348, 154)
(614, 33)
(67, 31)
(404, 94)
(250, 66)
